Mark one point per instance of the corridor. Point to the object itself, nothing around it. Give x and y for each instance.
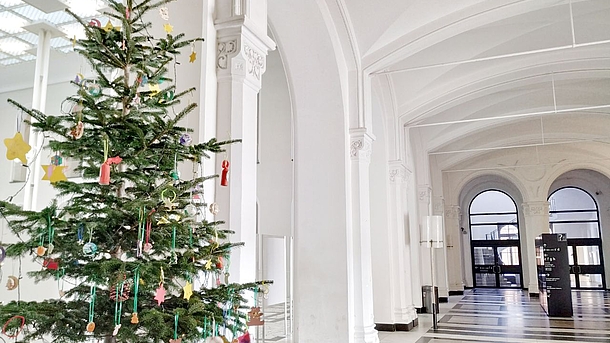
(493, 315)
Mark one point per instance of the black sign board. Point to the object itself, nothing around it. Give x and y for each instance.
(554, 274)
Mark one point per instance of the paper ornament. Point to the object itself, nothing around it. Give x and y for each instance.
(116, 329)
(134, 318)
(224, 178)
(109, 27)
(77, 130)
(105, 169)
(254, 317)
(95, 22)
(168, 28)
(12, 283)
(54, 173)
(17, 148)
(160, 294)
(91, 327)
(186, 139)
(214, 208)
(40, 251)
(192, 57)
(188, 290)
(90, 249)
(154, 89)
(164, 13)
(50, 264)
(245, 338)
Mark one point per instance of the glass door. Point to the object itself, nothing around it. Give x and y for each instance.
(586, 267)
(497, 265)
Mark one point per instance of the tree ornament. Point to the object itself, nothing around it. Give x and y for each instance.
(77, 130)
(224, 180)
(164, 12)
(160, 294)
(2, 254)
(79, 78)
(192, 57)
(214, 208)
(109, 27)
(90, 249)
(54, 173)
(169, 95)
(94, 89)
(16, 333)
(154, 89)
(245, 338)
(168, 28)
(105, 169)
(12, 283)
(254, 317)
(50, 264)
(134, 318)
(91, 327)
(186, 139)
(40, 251)
(57, 160)
(168, 202)
(188, 290)
(17, 148)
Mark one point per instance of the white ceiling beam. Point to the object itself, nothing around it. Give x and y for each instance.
(47, 6)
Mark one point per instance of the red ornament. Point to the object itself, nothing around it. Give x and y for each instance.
(105, 169)
(95, 22)
(220, 263)
(50, 264)
(245, 338)
(224, 179)
(18, 330)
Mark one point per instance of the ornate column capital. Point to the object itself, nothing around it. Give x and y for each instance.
(423, 193)
(452, 212)
(398, 172)
(361, 145)
(535, 208)
(241, 50)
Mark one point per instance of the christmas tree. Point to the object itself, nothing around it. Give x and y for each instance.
(132, 237)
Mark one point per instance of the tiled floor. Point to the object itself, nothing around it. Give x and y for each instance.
(494, 315)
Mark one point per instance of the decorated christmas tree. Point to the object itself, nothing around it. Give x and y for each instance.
(132, 237)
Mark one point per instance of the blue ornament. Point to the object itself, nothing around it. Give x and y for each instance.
(90, 249)
(186, 139)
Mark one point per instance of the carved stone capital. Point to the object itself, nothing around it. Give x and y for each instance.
(452, 212)
(423, 193)
(361, 146)
(398, 173)
(225, 51)
(255, 62)
(438, 205)
(535, 208)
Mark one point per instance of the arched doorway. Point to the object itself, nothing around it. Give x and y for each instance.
(494, 238)
(574, 212)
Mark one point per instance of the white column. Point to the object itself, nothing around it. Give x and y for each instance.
(536, 215)
(399, 245)
(453, 236)
(424, 193)
(361, 281)
(442, 282)
(39, 101)
(414, 258)
(242, 47)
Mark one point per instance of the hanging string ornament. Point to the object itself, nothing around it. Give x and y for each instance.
(186, 139)
(148, 245)
(176, 339)
(224, 179)
(168, 201)
(120, 289)
(90, 248)
(136, 282)
(160, 292)
(18, 331)
(255, 314)
(193, 55)
(16, 147)
(105, 168)
(12, 283)
(54, 171)
(91, 324)
(77, 131)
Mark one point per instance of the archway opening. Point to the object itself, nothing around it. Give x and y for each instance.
(495, 241)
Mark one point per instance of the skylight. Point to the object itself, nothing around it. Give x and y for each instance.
(16, 43)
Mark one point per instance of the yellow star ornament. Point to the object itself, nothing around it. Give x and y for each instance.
(192, 57)
(168, 28)
(154, 89)
(17, 148)
(54, 173)
(109, 27)
(188, 290)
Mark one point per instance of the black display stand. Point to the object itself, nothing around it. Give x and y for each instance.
(554, 274)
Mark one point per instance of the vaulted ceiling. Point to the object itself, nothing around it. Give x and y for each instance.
(479, 77)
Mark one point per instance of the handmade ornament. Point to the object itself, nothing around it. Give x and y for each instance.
(134, 318)
(18, 331)
(105, 169)
(109, 27)
(80, 233)
(154, 89)
(224, 179)
(40, 251)
(190, 210)
(245, 338)
(95, 22)
(57, 160)
(79, 78)
(91, 325)
(214, 208)
(50, 264)
(2, 254)
(164, 12)
(77, 130)
(186, 139)
(188, 290)
(116, 329)
(90, 249)
(220, 263)
(192, 57)
(177, 340)
(12, 283)
(127, 13)
(94, 89)
(168, 28)
(169, 95)
(213, 339)
(144, 80)
(54, 173)
(160, 294)
(17, 148)
(148, 245)
(168, 202)
(254, 317)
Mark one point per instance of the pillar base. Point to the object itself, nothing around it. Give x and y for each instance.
(397, 326)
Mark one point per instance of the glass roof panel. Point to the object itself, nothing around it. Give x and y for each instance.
(13, 46)
(11, 23)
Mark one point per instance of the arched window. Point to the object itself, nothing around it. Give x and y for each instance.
(494, 237)
(574, 212)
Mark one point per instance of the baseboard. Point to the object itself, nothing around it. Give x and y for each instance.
(443, 299)
(397, 326)
(420, 310)
(456, 293)
(534, 295)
